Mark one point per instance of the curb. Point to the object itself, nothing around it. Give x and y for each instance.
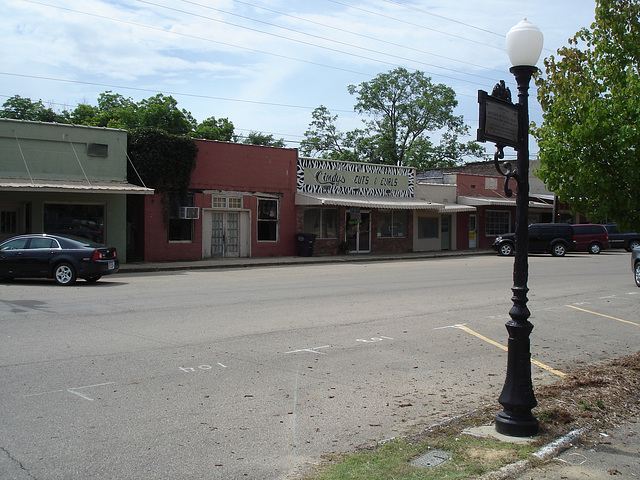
(544, 454)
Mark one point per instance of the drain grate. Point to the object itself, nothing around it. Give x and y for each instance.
(432, 458)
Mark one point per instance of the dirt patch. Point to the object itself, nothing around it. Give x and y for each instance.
(593, 396)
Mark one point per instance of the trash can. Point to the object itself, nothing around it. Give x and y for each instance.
(305, 243)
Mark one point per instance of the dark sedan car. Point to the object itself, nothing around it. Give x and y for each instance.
(62, 258)
(635, 264)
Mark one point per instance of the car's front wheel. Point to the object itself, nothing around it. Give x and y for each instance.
(633, 244)
(637, 273)
(505, 249)
(558, 250)
(64, 274)
(594, 248)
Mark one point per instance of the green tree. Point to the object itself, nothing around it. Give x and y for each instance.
(20, 108)
(258, 138)
(589, 140)
(215, 129)
(113, 111)
(163, 113)
(402, 108)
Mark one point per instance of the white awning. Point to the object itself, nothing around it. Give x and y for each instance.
(499, 202)
(70, 186)
(487, 201)
(393, 203)
(457, 208)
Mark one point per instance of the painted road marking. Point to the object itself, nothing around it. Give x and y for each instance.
(73, 390)
(311, 350)
(602, 315)
(374, 339)
(502, 347)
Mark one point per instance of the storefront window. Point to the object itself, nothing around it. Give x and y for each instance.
(267, 220)
(497, 222)
(323, 222)
(393, 223)
(428, 227)
(86, 221)
(180, 229)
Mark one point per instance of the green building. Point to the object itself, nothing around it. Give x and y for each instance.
(58, 178)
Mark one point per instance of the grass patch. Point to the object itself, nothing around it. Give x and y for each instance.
(469, 457)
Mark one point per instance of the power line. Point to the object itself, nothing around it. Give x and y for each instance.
(459, 37)
(149, 90)
(309, 35)
(427, 12)
(344, 30)
(197, 38)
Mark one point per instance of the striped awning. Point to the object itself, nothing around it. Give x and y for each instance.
(391, 203)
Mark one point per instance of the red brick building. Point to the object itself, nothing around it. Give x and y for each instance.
(241, 202)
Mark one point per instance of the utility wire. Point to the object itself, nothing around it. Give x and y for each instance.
(397, 57)
(459, 37)
(361, 35)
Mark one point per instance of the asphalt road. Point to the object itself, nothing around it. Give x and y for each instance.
(251, 373)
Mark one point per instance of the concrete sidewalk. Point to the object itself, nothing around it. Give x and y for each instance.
(244, 262)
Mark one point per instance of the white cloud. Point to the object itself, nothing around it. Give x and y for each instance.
(209, 55)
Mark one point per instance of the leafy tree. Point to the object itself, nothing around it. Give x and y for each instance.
(402, 108)
(163, 113)
(589, 140)
(258, 138)
(20, 108)
(214, 129)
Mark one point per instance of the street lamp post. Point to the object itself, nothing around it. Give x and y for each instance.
(524, 45)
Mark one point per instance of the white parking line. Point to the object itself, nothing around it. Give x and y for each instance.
(72, 390)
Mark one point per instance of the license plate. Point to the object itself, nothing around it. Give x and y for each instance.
(111, 265)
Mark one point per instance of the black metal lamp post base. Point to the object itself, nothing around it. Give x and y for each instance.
(513, 424)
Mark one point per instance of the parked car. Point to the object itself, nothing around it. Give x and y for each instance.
(635, 264)
(590, 237)
(618, 239)
(62, 258)
(554, 238)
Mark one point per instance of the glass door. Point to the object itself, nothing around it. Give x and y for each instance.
(358, 230)
(225, 238)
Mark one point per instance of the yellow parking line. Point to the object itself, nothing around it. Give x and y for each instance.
(496, 344)
(605, 316)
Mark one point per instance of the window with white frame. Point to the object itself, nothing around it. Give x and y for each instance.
(268, 216)
(225, 202)
(180, 229)
(497, 222)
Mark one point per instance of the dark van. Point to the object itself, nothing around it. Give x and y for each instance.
(553, 238)
(590, 237)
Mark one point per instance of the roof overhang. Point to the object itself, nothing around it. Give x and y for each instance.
(70, 186)
(457, 208)
(393, 203)
(499, 202)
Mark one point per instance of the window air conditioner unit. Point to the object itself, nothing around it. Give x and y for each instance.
(190, 213)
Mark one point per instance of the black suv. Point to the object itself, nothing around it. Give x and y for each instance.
(554, 238)
(618, 239)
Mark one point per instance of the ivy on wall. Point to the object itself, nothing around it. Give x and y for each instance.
(163, 161)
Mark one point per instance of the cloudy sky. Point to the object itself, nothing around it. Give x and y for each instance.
(265, 64)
